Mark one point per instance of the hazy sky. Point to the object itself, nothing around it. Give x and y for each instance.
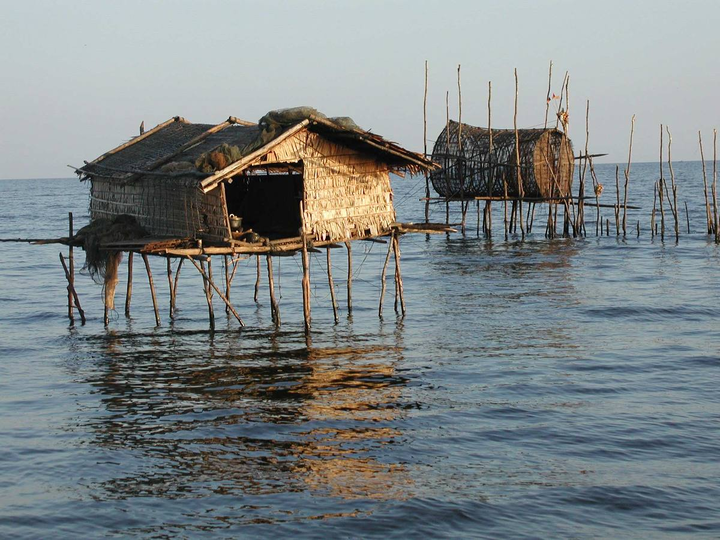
(79, 76)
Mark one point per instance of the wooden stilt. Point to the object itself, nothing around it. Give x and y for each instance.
(488, 212)
(708, 218)
(532, 218)
(306, 282)
(226, 268)
(128, 292)
(207, 280)
(332, 287)
(652, 215)
(71, 288)
(505, 209)
(398, 274)
(397, 288)
(274, 308)
(257, 280)
(71, 263)
(171, 286)
(464, 205)
(211, 309)
(391, 246)
(425, 153)
(175, 285)
(349, 277)
(152, 289)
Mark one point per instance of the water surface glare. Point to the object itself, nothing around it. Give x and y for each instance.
(537, 388)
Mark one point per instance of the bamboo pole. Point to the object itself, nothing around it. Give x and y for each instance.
(714, 190)
(505, 208)
(206, 279)
(226, 269)
(460, 161)
(674, 204)
(560, 103)
(597, 189)
(660, 184)
(532, 218)
(398, 273)
(521, 191)
(687, 217)
(547, 102)
(170, 286)
(333, 299)
(708, 218)
(152, 289)
(349, 276)
(128, 292)
(425, 154)
(235, 264)
(391, 246)
(72, 291)
(274, 307)
(662, 208)
(306, 283)
(491, 168)
(71, 263)
(627, 175)
(447, 176)
(617, 204)
(652, 215)
(175, 284)
(581, 188)
(488, 219)
(257, 279)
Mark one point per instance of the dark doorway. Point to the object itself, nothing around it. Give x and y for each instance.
(269, 204)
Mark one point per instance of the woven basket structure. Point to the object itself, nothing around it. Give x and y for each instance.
(472, 168)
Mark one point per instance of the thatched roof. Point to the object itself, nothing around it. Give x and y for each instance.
(174, 147)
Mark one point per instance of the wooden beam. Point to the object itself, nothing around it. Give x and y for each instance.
(220, 294)
(209, 183)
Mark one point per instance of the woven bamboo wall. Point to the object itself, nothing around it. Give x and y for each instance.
(347, 193)
(471, 169)
(163, 206)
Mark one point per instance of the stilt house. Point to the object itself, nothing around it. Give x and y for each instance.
(294, 170)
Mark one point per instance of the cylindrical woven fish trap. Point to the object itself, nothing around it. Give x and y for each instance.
(474, 165)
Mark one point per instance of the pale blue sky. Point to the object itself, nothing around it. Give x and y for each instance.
(79, 76)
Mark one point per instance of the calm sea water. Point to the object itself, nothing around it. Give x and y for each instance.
(536, 388)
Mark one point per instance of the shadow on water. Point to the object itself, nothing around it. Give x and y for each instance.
(261, 414)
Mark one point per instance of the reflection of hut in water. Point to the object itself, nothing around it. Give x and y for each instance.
(252, 423)
(478, 162)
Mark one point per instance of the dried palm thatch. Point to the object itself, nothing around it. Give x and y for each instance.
(481, 165)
